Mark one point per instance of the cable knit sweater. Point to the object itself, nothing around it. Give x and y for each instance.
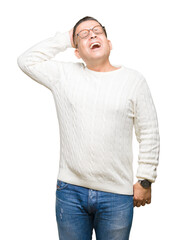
(96, 113)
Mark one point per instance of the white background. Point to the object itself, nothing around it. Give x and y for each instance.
(143, 34)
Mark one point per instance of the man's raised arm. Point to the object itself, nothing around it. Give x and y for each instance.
(38, 63)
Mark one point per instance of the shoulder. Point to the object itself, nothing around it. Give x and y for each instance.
(135, 76)
(72, 67)
(134, 72)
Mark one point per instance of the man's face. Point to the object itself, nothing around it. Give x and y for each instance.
(96, 54)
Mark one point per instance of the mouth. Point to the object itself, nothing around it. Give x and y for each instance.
(95, 46)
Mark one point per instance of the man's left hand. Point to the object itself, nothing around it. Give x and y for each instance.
(141, 195)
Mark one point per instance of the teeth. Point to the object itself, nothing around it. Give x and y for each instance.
(95, 44)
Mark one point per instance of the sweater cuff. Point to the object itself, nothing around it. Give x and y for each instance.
(147, 171)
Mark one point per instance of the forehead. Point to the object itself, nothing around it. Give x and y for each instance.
(86, 24)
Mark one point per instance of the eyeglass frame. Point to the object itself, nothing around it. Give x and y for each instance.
(77, 35)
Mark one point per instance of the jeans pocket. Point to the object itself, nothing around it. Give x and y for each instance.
(61, 185)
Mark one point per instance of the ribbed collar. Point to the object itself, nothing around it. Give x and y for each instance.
(109, 73)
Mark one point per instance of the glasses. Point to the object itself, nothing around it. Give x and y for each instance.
(86, 32)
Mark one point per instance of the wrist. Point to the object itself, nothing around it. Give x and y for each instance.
(145, 183)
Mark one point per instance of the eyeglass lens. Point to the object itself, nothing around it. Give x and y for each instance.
(85, 32)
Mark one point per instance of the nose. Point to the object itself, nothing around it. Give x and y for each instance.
(92, 34)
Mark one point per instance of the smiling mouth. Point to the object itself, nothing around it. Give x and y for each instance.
(95, 46)
(94, 49)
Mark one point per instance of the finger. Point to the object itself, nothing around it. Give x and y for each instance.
(138, 204)
(143, 202)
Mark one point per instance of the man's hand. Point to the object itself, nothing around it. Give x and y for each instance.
(141, 195)
(71, 37)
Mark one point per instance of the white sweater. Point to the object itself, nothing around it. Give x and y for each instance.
(96, 113)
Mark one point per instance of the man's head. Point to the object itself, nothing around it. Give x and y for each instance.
(83, 40)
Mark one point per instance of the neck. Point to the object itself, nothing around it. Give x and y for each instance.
(101, 67)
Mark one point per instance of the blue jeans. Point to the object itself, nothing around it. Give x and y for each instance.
(80, 209)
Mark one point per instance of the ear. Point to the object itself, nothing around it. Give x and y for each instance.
(110, 44)
(76, 52)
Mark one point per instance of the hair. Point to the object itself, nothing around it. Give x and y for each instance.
(83, 20)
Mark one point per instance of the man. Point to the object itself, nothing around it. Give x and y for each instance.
(97, 106)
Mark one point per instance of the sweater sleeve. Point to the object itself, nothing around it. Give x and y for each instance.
(38, 63)
(147, 133)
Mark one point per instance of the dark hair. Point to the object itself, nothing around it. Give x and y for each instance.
(83, 20)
